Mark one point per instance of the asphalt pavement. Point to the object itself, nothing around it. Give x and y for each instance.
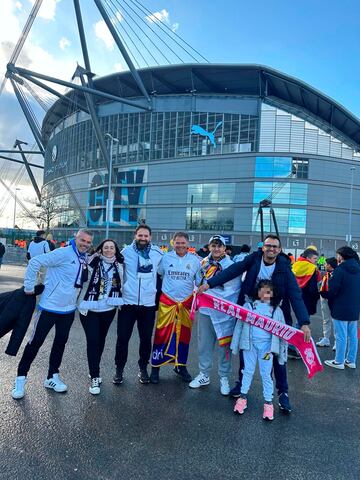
(169, 431)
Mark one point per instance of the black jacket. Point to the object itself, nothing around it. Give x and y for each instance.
(310, 294)
(282, 278)
(16, 310)
(344, 291)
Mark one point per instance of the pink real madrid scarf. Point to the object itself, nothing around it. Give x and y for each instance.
(290, 334)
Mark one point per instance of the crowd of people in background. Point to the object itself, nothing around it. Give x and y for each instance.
(153, 287)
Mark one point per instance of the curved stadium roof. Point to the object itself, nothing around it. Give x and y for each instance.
(276, 88)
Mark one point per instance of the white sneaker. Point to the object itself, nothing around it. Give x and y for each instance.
(19, 388)
(323, 342)
(200, 381)
(334, 364)
(350, 364)
(94, 389)
(55, 383)
(224, 386)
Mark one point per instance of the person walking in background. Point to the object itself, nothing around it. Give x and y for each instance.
(244, 252)
(66, 273)
(38, 245)
(173, 326)
(98, 303)
(330, 265)
(51, 242)
(259, 346)
(2, 252)
(344, 302)
(308, 276)
(203, 251)
(141, 263)
(215, 328)
(291, 257)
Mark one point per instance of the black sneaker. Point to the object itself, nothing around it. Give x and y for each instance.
(143, 376)
(118, 377)
(154, 376)
(184, 374)
(235, 391)
(284, 403)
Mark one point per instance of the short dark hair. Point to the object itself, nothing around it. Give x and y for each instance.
(40, 232)
(245, 248)
(181, 234)
(309, 252)
(273, 237)
(144, 226)
(118, 255)
(263, 284)
(346, 252)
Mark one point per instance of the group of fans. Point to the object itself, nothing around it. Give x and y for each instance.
(142, 284)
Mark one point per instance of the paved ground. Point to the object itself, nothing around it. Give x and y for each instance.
(170, 431)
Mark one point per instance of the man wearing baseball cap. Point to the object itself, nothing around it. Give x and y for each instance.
(215, 328)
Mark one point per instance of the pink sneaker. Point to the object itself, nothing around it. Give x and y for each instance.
(240, 405)
(268, 411)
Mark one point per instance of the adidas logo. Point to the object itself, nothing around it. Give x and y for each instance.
(171, 265)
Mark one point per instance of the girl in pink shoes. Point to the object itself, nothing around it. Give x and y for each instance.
(259, 346)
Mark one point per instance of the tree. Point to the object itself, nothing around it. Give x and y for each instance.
(45, 212)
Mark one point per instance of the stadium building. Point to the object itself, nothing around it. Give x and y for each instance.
(219, 139)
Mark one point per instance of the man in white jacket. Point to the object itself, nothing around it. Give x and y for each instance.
(66, 272)
(215, 328)
(141, 262)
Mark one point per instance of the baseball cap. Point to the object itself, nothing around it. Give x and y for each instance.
(217, 238)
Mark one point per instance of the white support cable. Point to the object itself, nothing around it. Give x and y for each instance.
(127, 34)
(160, 23)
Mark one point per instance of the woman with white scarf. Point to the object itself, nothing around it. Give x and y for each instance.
(98, 303)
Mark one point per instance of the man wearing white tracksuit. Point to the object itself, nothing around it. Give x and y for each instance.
(66, 271)
(215, 328)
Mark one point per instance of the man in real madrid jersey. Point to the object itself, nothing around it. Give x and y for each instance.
(173, 327)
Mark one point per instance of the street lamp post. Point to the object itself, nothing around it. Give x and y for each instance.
(14, 222)
(110, 200)
(352, 170)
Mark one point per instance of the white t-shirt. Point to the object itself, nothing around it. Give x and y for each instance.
(178, 274)
(265, 272)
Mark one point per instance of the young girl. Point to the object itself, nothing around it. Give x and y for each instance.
(259, 345)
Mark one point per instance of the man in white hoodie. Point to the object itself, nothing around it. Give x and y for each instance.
(66, 272)
(141, 262)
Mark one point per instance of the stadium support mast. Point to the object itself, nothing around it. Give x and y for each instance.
(18, 144)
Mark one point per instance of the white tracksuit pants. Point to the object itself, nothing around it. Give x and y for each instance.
(258, 353)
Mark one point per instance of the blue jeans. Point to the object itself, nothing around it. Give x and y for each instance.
(346, 340)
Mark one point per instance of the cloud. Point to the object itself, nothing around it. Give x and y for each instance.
(18, 5)
(64, 42)
(162, 16)
(103, 34)
(48, 9)
(119, 67)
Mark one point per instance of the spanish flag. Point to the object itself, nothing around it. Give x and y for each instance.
(303, 270)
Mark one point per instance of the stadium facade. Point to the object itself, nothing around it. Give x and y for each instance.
(217, 141)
